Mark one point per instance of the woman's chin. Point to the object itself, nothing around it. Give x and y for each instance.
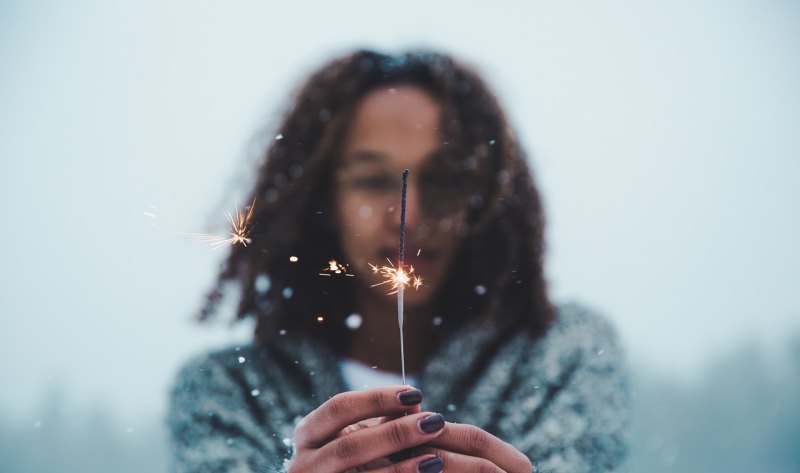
(412, 298)
(417, 298)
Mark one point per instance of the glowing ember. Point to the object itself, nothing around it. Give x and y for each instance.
(335, 267)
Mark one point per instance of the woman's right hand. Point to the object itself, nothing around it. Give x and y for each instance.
(338, 436)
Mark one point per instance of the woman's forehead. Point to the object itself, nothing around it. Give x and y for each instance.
(403, 105)
(393, 125)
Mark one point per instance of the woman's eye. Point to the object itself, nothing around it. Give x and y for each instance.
(373, 183)
(437, 180)
(446, 181)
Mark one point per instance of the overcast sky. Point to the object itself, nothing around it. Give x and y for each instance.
(664, 136)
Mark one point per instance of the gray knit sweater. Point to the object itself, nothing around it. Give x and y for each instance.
(561, 399)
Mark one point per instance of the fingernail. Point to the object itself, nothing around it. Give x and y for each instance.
(410, 397)
(431, 465)
(431, 423)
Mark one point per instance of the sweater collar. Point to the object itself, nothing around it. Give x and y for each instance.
(445, 380)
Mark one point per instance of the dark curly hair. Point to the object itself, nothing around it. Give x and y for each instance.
(502, 245)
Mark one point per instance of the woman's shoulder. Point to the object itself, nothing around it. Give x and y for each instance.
(579, 335)
(223, 413)
(581, 325)
(218, 366)
(569, 410)
(229, 356)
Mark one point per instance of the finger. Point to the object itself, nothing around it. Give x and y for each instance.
(420, 464)
(363, 446)
(347, 408)
(364, 424)
(409, 452)
(472, 441)
(415, 409)
(467, 464)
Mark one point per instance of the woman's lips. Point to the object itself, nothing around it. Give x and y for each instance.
(419, 258)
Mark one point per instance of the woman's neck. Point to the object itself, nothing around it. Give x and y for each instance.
(377, 341)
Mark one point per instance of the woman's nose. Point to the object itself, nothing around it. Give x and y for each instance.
(412, 213)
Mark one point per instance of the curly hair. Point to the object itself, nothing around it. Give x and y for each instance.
(497, 274)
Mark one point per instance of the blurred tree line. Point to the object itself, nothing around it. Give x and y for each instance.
(743, 416)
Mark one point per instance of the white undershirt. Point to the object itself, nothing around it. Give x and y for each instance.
(358, 376)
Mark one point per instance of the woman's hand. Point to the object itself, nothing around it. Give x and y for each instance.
(338, 436)
(466, 448)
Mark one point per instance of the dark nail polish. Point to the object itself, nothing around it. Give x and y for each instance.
(431, 423)
(410, 397)
(431, 465)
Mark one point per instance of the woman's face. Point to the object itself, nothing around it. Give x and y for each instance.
(395, 128)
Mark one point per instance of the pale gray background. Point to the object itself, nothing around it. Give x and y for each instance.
(664, 136)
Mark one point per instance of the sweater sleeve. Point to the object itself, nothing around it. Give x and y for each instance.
(215, 428)
(572, 412)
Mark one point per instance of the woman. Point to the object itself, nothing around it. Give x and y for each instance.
(509, 382)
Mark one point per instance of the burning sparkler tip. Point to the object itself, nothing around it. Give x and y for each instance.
(396, 277)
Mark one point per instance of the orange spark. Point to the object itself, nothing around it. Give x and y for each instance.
(240, 231)
(335, 267)
(396, 277)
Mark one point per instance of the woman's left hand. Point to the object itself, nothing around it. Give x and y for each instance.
(464, 447)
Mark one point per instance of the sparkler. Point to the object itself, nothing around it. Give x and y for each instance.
(240, 231)
(397, 277)
(401, 287)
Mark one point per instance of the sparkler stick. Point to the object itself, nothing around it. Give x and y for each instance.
(400, 267)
